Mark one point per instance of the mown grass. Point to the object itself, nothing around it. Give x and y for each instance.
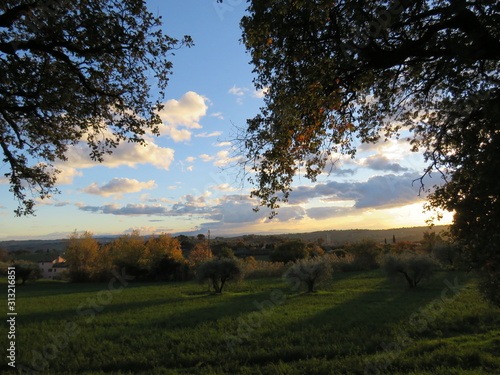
(358, 323)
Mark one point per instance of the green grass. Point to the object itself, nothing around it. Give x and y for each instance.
(357, 322)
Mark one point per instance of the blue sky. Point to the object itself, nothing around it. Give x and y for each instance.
(185, 180)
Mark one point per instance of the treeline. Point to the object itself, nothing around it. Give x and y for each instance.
(165, 258)
(156, 258)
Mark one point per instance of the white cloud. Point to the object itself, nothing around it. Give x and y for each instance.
(119, 186)
(238, 91)
(222, 144)
(218, 115)
(51, 202)
(223, 187)
(260, 93)
(206, 157)
(177, 135)
(190, 159)
(207, 135)
(126, 154)
(223, 158)
(185, 112)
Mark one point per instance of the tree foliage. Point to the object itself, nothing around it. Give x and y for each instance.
(200, 253)
(27, 271)
(158, 258)
(75, 71)
(345, 70)
(289, 251)
(413, 267)
(129, 251)
(365, 254)
(82, 256)
(218, 272)
(162, 246)
(309, 272)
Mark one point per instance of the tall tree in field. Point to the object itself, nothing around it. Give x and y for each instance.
(157, 248)
(82, 256)
(339, 70)
(129, 251)
(164, 245)
(75, 71)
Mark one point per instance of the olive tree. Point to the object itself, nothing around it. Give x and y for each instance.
(411, 267)
(218, 272)
(308, 272)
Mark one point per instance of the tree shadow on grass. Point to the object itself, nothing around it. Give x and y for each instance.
(170, 327)
(339, 325)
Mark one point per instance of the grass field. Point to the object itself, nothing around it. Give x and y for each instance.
(358, 323)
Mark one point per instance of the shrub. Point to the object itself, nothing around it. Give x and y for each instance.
(256, 269)
(218, 272)
(365, 253)
(413, 268)
(289, 251)
(344, 263)
(308, 272)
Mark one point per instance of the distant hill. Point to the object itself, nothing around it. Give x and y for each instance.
(331, 237)
(46, 245)
(340, 237)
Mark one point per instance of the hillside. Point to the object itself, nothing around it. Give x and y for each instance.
(340, 237)
(331, 237)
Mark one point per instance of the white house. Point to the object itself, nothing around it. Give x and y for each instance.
(51, 269)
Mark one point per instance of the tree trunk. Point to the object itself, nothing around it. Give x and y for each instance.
(409, 280)
(310, 286)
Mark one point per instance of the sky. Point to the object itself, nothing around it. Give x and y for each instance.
(188, 180)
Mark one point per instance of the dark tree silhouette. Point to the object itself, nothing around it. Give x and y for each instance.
(75, 71)
(337, 71)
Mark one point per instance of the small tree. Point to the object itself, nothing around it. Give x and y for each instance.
(309, 272)
(218, 272)
(414, 268)
(289, 251)
(27, 271)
